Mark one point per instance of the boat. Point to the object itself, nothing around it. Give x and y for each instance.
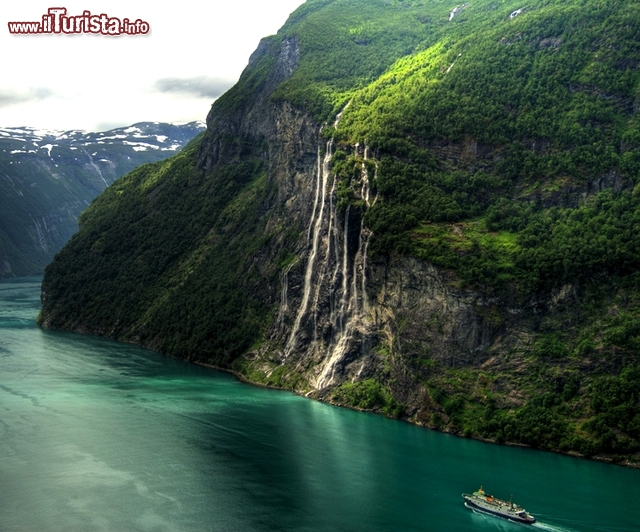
(481, 501)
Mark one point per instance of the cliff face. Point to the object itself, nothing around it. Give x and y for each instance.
(322, 318)
(427, 232)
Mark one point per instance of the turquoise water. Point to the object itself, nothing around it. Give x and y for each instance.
(101, 436)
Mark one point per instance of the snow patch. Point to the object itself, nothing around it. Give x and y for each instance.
(173, 147)
(48, 147)
(17, 130)
(115, 137)
(141, 144)
(48, 133)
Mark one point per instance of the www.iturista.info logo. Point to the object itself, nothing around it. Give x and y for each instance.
(56, 20)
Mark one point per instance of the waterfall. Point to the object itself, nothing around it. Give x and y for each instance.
(354, 303)
(96, 168)
(366, 195)
(315, 224)
(332, 318)
(41, 239)
(284, 300)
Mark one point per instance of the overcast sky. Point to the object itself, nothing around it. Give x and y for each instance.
(194, 51)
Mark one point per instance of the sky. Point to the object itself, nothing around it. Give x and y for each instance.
(192, 53)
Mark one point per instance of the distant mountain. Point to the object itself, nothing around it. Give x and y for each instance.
(47, 178)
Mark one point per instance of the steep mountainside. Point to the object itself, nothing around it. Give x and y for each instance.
(419, 208)
(47, 178)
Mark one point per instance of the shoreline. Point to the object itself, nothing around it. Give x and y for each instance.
(242, 378)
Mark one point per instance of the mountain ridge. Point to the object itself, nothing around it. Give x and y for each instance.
(47, 177)
(434, 223)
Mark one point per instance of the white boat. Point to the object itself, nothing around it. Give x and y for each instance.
(489, 504)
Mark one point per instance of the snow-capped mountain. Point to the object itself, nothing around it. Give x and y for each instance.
(48, 177)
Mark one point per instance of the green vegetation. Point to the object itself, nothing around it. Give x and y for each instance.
(42, 192)
(368, 395)
(504, 150)
(345, 45)
(508, 154)
(479, 257)
(507, 106)
(147, 260)
(608, 405)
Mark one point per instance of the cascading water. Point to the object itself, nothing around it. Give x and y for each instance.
(313, 238)
(332, 320)
(95, 167)
(284, 300)
(354, 304)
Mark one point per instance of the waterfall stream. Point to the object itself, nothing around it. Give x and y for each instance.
(41, 238)
(322, 177)
(353, 307)
(96, 167)
(331, 318)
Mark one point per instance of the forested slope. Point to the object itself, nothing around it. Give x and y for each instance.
(47, 178)
(419, 208)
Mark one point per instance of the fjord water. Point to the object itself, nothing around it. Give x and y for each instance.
(101, 436)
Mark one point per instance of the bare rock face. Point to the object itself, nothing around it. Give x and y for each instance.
(324, 330)
(324, 324)
(340, 316)
(432, 313)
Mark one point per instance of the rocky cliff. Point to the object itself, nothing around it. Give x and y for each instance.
(402, 208)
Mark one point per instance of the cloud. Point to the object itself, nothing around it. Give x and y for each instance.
(199, 86)
(109, 125)
(12, 97)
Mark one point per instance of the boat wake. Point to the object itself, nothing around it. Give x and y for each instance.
(552, 528)
(582, 525)
(538, 524)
